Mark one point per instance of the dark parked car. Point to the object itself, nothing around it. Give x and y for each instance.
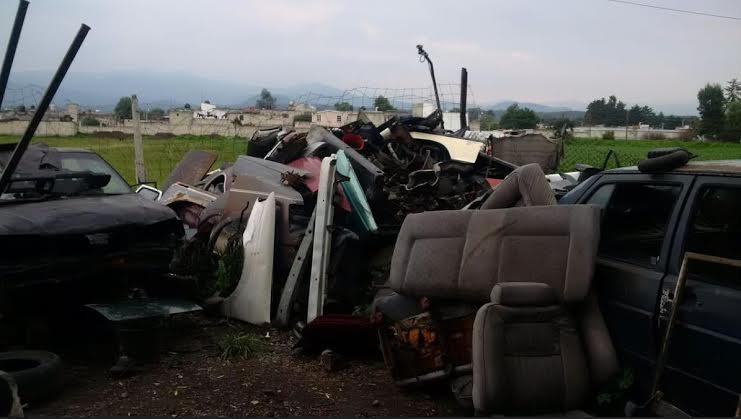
(649, 221)
(73, 232)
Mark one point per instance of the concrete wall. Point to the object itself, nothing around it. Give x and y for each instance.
(632, 133)
(45, 129)
(190, 126)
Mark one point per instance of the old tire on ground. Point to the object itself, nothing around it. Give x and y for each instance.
(38, 374)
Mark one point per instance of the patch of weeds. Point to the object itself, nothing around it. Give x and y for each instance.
(229, 267)
(611, 399)
(240, 345)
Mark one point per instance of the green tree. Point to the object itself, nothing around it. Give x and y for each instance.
(488, 122)
(711, 108)
(20, 108)
(186, 106)
(733, 90)
(266, 100)
(733, 120)
(123, 108)
(156, 113)
(611, 112)
(518, 118)
(382, 104)
(343, 106)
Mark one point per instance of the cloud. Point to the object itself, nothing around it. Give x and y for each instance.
(283, 14)
(371, 31)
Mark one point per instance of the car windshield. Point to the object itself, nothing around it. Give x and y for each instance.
(61, 180)
(84, 162)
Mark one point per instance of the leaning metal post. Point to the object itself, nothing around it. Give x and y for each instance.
(15, 35)
(22, 145)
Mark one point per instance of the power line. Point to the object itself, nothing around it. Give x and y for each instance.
(675, 10)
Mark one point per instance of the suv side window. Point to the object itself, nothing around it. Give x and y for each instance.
(634, 220)
(715, 230)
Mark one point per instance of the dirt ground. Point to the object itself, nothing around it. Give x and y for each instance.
(192, 379)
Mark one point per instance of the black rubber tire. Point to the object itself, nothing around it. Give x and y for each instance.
(664, 163)
(38, 374)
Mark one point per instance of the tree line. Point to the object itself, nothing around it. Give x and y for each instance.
(614, 113)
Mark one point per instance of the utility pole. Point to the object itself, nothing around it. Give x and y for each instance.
(141, 173)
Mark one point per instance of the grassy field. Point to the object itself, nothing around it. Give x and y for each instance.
(161, 155)
(593, 151)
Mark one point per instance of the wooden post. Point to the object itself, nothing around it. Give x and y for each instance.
(141, 173)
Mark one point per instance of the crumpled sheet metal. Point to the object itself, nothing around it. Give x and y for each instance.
(181, 192)
(369, 175)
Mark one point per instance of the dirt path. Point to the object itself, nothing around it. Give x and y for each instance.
(191, 379)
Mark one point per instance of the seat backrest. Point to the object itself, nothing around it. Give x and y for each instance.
(461, 255)
(524, 186)
(528, 356)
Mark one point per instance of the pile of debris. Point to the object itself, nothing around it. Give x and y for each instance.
(317, 214)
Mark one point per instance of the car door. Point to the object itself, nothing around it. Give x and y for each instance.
(640, 212)
(703, 372)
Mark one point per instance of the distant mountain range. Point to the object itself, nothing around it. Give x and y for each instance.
(102, 90)
(173, 89)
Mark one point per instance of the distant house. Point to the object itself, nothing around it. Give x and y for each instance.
(209, 111)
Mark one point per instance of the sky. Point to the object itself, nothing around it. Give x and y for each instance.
(544, 51)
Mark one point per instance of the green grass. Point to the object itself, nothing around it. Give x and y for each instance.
(240, 345)
(161, 155)
(593, 151)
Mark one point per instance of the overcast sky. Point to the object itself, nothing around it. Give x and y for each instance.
(547, 51)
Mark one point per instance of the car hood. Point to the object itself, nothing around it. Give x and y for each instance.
(78, 215)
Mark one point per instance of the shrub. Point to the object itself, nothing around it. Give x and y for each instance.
(89, 121)
(304, 117)
(609, 135)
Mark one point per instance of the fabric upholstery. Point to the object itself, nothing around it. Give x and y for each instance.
(527, 360)
(525, 186)
(515, 294)
(461, 255)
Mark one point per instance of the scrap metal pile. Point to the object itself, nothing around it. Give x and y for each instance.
(318, 213)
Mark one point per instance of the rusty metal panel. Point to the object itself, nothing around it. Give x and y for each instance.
(192, 168)
(529, 148)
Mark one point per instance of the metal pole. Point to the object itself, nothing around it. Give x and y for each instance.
(141, 173)
(464, 97)
(678, 294)
(22, 145)
(423, 53)
(15, 34)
